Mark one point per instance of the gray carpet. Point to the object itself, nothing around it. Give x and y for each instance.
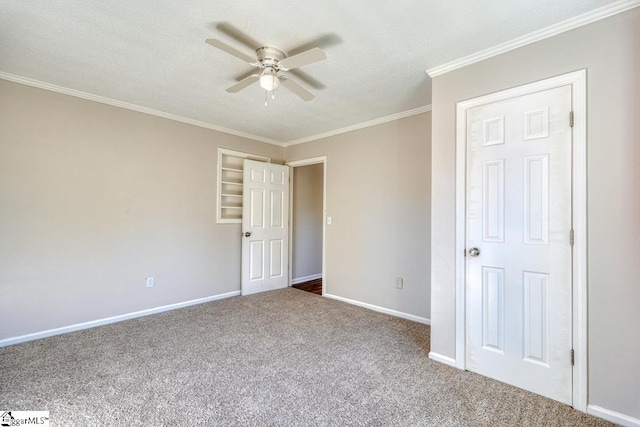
(282, 358)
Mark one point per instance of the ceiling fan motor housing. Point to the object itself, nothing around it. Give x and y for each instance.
(269, 57)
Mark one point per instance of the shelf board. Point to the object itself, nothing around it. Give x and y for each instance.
(234, 220)
(231, 207)
(232, 183)
(231, 195)
(224, 168)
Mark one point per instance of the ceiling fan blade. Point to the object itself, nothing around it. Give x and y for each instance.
(307, 79)
(323, 42)
(305, 58)
(237, 35)
(245, 75)
(243, 83)
(231, 50)
(297, 89)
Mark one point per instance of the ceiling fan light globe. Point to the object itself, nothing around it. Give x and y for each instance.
(269, 82)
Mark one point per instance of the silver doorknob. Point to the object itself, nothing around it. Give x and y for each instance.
(247, 234)
(474, 251)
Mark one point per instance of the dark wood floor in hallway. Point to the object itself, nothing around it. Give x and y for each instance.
(313, 286)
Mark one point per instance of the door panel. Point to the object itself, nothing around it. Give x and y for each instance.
(493, 201)
(536, 199)
(256, 260)
(493, 309)
(536, 317)
(265, 220)
(256, 208)
(518, 288)
(277, 209)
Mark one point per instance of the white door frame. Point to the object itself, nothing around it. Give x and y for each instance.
(578, 81)
(295, 164)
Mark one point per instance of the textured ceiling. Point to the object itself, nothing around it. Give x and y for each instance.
(153, 54)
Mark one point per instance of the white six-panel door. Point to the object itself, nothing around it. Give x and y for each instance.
(265, 225)
(518, 261)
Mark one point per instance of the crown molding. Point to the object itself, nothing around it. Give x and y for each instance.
(113, 102)
(362, 125)
(550, 31)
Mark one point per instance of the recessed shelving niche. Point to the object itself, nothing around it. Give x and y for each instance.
(230, 170)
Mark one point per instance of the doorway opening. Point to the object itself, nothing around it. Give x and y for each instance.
(307, 225)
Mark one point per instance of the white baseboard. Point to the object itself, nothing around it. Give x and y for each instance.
(306, 278)
(93, 323)
(381, 309)
(612, 416)
(442, 359)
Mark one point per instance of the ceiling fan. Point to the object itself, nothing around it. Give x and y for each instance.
(272, 63)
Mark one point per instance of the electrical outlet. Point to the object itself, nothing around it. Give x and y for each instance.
(399, 283)
(149, 282)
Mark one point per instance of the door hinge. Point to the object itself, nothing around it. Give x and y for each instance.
(573, 357)
(570, 118)
(571, 237)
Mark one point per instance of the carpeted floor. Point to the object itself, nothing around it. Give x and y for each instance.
(281, 358)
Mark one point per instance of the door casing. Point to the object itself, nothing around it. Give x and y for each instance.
(577, 80)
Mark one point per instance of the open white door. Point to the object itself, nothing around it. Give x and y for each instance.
(265, 227)
(518, 263)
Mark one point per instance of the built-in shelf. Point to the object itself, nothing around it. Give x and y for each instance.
(230, 177)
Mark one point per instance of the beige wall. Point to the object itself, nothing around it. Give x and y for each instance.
(378, 185)
(610, 51)
(93, 199)
(307, 221)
